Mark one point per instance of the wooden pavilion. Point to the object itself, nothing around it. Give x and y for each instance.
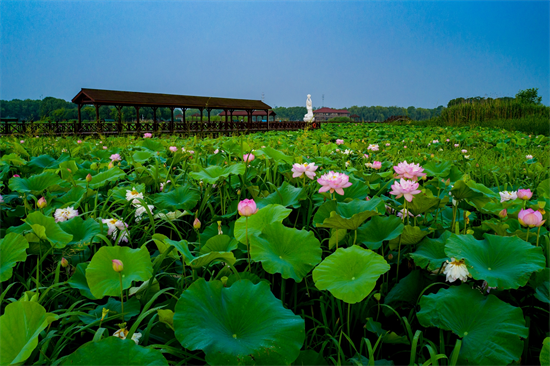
(119, 99)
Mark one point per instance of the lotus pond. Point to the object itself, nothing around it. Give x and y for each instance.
(351, 245)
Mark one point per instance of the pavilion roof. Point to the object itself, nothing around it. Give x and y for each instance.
(125, 98)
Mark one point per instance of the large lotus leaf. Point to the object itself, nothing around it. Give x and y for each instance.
(47, 162)
(219, 243)
(12, 250)
(431, 252)
(206, 259)
(182, 246)
(142, 156)
(350, 274)
(504, 262)
(411, 235)
(72, 197)
(181, 198)
(83, 231)
(310, 358)
(286, 195)
(100, 179)
(213, 173)
(543, 189)
(35, 184)
(423, 203)
(274, 154)
(324, 212)
(46, 228)
(151, 144)
(162, 246)
(265, 216)
(542, 292)
(113, 351)
(544, 357)
(352, 214)
(440, 170)
(290, 252)
(78, 281)
(407, 289)
(379, 228)
(14, 159)
(20, 326)
(461, 191)
(240, 325)
(236, 148)
(491, 330)
(104, 280)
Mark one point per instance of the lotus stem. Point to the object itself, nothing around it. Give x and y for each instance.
(527, 238)
(121, 296)
(538, 235)
(247, 245)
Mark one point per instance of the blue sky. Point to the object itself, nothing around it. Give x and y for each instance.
(388, 53)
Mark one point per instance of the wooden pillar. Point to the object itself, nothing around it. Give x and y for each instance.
(119, 122)
(267, 118)
(155, 122)
(79, 126)
(172, 120)
(200, 121)
(98, 124)
(183, 120)
(138, 124)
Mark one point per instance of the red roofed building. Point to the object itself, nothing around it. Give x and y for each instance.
(323, 114)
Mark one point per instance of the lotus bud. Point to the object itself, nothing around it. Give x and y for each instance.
(247, 208)
(525, 194)
(196, 224)
(377, 296)
(89, 178)
(104, 312)
(64, 263)
(42, 203)
(502, 214)
(390, 256)
(118, 266)
(111, 165)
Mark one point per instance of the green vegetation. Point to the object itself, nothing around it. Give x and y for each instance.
(353, 244)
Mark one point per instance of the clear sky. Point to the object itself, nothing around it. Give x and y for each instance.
(388, 53)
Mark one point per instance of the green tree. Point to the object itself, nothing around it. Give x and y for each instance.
(529, 96)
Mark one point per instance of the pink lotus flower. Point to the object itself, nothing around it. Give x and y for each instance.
(79, 142)
(22, 141)
(525, 194)
(388, 144)
(247, 208)
(299, 170)
(173, 148)
(373, 148)
(42, 202)
(528, 157)
(409, 171)
(248, 158)
(335, 182)
(376, 165)
(339, 142)
(405, 188)
(457, 145)
(104, 147)
(404, 147)
(147, 135)
(16, 176)
(464, 151)
(365, 156)
(530, 218)
(115, 157)
(448, 140)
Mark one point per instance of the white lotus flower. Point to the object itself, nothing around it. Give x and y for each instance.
(508, 196)
(456, 270)
(64, 214)
(141, 210)
(133, 194)
(122, 333)
(113, 226)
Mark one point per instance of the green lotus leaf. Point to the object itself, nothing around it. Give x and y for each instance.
(379, 228)
(504, 262)
(236, 148)
(461, 191)
(20, 326)
(423, 203)
(496, 225)
(440, 170)
(350, 274)
(206, 259)
(411, 235)
(219, 243)
(265, 216)
(142, 156)
(286, 195)
(545, 352)
(290, 252)
(213, 173)
(47, 162)
(100, 179)
(72, 197)
(491, 330)
(13, 249)
(336, 236)
(351, 215)
(543, 189)
(14, 159)
(274, 154)
(113, 351)
(240, 325)
(162, 246)
(68, 169)
(47, 229)
(132, 307)
(181, 198)
(78, 281)
(152, 145)
(542, 292)
(407, 290)
(83, 231)
(166, 316)
(310, 358)
(35, 184)
(431, 252)
(104, 280)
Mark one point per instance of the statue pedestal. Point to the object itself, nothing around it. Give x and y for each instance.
(309, 117)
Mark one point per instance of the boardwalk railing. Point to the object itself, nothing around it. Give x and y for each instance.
(117, 128)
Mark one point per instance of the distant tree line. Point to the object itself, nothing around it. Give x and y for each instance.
(55, 109)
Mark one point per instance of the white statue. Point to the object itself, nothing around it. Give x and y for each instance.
(309, 116)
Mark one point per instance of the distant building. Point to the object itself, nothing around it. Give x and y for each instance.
(323, 114)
